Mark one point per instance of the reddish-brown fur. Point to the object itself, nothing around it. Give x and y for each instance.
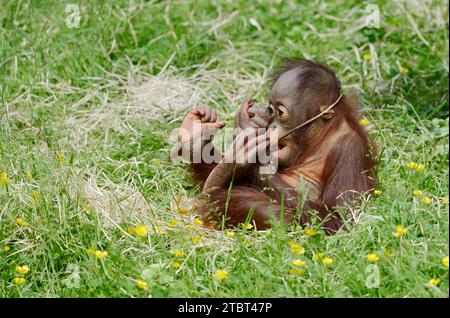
(347, 172)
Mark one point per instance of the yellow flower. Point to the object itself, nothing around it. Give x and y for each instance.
(172, 223)
(21, 222)
(141, 284)
(297, 271)
(159, 230)
(388, 253)
(247, 226)
(90, 251)
(22, 269)
(417, 192)
(426, 200)
(318, 256)
(196, 239)
(377, 192)
(29, 176)
(364, 122)
(88, 207)
(434, 281)
(367, 56)
(61, 158)
(198, 222)
(310, 231)
(221, 274)
(404, 70)
(3, 178)
(100, 254)
(178, 253)
(400, 230)
(6, 248)
(141, 230)
(230, 234)
(35, 196)
(420, 168)
(157, 163)
(130, 230)
(19, 280)
(373, 257)
(444, 200)
(412, 165)
(445, 261)
(327, 260)
(298, 263)
(296, 249)
(176, 265)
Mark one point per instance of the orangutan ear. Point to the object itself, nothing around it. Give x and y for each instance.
(326, 114)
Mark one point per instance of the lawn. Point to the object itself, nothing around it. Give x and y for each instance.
(92, 206)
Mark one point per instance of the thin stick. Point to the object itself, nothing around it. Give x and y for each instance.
(312, 119)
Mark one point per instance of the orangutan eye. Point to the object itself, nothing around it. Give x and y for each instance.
(283, 113)
(271, 110)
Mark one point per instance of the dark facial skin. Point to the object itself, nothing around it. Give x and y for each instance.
(282, 101)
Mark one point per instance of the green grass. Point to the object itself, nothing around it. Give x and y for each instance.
(78, 92)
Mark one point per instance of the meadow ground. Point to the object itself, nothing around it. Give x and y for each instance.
(91, 206)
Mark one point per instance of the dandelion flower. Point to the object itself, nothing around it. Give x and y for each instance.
(420, 168)
(434, 281)
(297, 249)
(367, 57)
(36, 196)
(363, 122)
(196, 239)
(400, 230)
(404, 70)
(157, 163)
(21, 222)
(445, 261)
(417, 192)
(198, 222)
(22, 269)
(19, 280)
(310, 231)
(426, 200)
(172, 223)
(412, 165)
(101, 254)
(178, 253)
(247, 226)
(141, 284)
(444, 200)
(3, 178)
(230, 234)
(373, 257)
(141, 230)
(88, 207)
(298, 263)
(176, 265)
(327, 260)
(90, 251)
(6, 248)
(318, 256)
(61, 158)
(297, 271)
(221, 274)
(377, 192)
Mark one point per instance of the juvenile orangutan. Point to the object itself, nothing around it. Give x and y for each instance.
(323, 155)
